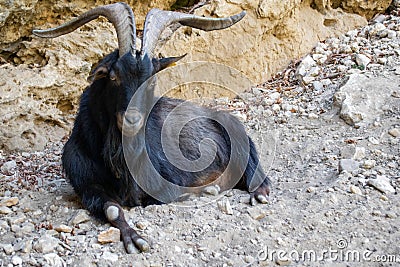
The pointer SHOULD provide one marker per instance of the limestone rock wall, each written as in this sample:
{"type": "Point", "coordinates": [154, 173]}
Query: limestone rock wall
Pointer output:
{"type": "Point", "coordinates": [41, 80]}
{"type": "Point", "coordinates": [19, 17]}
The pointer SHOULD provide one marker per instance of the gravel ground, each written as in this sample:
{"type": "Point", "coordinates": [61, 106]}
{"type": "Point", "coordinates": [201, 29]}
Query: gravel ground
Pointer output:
{"type": "Point", "coordinates": [335, 195]}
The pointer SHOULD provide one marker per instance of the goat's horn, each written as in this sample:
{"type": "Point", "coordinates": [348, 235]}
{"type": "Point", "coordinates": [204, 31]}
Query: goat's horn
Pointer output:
{"type": "Point", "coordinates": [157, 20]}
{"type": "Point", "coordinates": [119, 14]}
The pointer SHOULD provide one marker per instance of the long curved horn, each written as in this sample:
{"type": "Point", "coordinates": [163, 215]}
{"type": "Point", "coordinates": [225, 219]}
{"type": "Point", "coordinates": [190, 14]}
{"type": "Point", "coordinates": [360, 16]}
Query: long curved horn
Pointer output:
{"type": "Point", "coordinates": [119, 14]}
{"type": "Point", "coordinates": [157, 20]}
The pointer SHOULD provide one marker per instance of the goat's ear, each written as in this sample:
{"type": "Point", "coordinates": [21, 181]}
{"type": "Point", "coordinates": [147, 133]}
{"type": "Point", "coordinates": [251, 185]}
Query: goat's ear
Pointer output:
{"type": "Point", "coordinates": [160, 64]}
{"type": "Point", "coordinates": [98, 73]}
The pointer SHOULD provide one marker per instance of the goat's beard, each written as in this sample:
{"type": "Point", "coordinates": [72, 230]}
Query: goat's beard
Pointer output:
{"type": "Point", "coordinates": [114, 158]}
{"type": "Point", "coordinates": [113, 153]}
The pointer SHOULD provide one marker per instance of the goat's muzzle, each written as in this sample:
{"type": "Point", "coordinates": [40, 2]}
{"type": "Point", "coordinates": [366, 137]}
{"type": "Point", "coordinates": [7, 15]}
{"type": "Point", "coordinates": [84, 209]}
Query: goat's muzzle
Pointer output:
{"type": "Point", "coordinates": [130, 121]}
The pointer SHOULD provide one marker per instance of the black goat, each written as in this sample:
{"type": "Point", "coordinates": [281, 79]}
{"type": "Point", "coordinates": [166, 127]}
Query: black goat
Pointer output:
{"type": "Point", "coordinates": [93, 157]}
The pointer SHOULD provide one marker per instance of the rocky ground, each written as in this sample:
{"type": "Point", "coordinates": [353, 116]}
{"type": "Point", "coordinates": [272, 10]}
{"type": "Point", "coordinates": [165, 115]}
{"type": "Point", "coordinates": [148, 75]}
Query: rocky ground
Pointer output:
{"type": "Point", "coordinates": [328, 131]}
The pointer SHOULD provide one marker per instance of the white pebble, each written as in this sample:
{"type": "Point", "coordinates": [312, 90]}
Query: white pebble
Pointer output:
{"type": "Point", "coordinates": [395, 132]}
{"type": "Point", "coordinates": [355, 190]}
{"type": "Point", "coordinates": [362, 60]}
{"type": "Point", "coordinates": [109, 256]}
{"type": "Point", "coordinates": [16, 260]}
{"type": "Point", "coordinates": [313, 116]}
{"type": "Point", "coordinates": [225, 206]}
{"type": "Point", "coordinates": [276, 107]}
{"type": "Point", "coordinates": [369, 164]}
{"type": "Point", "coordinates": [8, 167]}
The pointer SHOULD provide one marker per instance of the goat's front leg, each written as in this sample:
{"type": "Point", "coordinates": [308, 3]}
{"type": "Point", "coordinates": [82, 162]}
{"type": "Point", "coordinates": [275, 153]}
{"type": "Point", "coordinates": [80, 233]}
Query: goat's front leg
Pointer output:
{"type": "Point", "coordinates": [115, 215]}
{"type": "Point", "coordinates": [254, 175]}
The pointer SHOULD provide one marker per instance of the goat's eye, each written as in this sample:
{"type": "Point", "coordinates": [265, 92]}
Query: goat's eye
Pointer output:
{"type": "Point", "coordinates": [113, 77]}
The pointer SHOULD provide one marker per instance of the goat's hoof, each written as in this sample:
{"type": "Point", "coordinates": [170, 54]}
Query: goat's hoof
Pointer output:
{"type": "Point", "coordinates": [142, 245]}
{"type": "Point", "coordinates": [261, 195]}
{"type": "Point", "coordinates": [133, 242]}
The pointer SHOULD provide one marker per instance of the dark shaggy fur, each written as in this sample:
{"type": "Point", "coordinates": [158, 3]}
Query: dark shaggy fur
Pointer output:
{"type": "Point", "coordinates": [93, 157]}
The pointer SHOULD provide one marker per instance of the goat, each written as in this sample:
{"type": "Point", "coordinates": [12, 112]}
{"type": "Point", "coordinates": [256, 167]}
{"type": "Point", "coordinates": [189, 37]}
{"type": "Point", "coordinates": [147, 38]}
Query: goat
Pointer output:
{"type": "Point", "coordinates": [93, 157]}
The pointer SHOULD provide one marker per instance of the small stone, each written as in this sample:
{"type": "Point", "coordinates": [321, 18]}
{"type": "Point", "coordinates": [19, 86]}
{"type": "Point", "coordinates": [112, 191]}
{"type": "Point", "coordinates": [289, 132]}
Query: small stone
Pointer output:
{"type": "Point", "coordinates": [239, 115]}
{"type": "Point", "coordinates": [9, 202]}
{"type": "Point", "coordinates": [391, 34]}
{"type": "Point", "coordinates": [20, 218]}
{"type": "Point", "coordinates": [287, 107]}
{"type": "Point", "coordinates": [4, 225]}
{"type": "Point", "coordinates": [379, 19]}
{"type": "Point", "coordinates": [311, 189]}
{"type": "Point", "coordinates": [314, 71]}
{"type": "Point", "coordinates": [16, 260]}
{"type": "Point", "coordinates": [326, 82]}
{"type": "Point", "coordinates": [348, 165]}
{"type": "Point", "coordinates": [382, 60]}
{"type": "Point", "coordinates": [355, 190]}
{"type": "Point", "coordinates": [257, 91]}
{"type": "Point", "coordinates": [25, 154]}
{"type": "Point", "coordinates": [268, 102]}
{"type": "Point", "coordinates": [376, 213]}
{"type": "Point", "coordinates": [282, 261]}
{"type": "Point", "coordinates": [225, 206]}
{"type": "Point", "coordinates": [83, 228]}
{"type": "Point", "coordinates": [5, 210]}
{"type": "Point", "coordinates": [54, 260]}
{"type": "Point", "coordinates": [248, 259]}
{"type": "Point", "coordinates": [109, 256]}
{"type": "Point", "coordinates": [308, 79]}
{"type": "Point", "coordinates": [108, 236]}
{"type": "Point", "coordinates": [362, 60]}
{"type": "Point", "coordinates": [342, 68]}
{"type": "Point", "coordinates": [256, 213]}
{"type": "Point", "coordinates": [276, 107]}
{"type": "Point", "coordinates": [80, 217]}
{"type": "Point", "coordinates": [19, 245]}
{"type": "Point", "coordinates": [359, 153]}
{"type": "Point", "coordinates": [384, 198]}
{"type": "Point", "coordinates": [26, 246]}
{"type": "Point", "coordinates": [313, 116]}
{"type": "Point", "coordinates": [318, 86]}
{"type": "Point", "coordinates": [22, 230]}
{"type": "Point", "coordinates": [355, 47]}
{"type": "Point", "coordinates": [274, 96]}
{"type": "Point", "coordinates": [369, 164]}
{"type": "Point", "coordinates": [373, 140]}
{"type": "Point", "coordinates": [229, 193]}
{"type": "Point", "coordinates": [62, 228]}
{"type": "Point", "coordinates": [333, 199]}
{"type": "Point", "coordinates": [377, 28]}
{"type": "Point", "coordinates": [9, 167]}
{"type": "Point", "coordinates": [79, 238]}
{"type": "Point", "coordinates": [178, 249]}
{"type": "Point", "coordinates": [395, 132]}
{"type": "Point", "coordinates": [8, 249]}
{"type": "Point", "coordinates": [142, 224]}
{"type": "Point", "coordinates": [346, 49]}
{"type": "Point", "coordinates": [211, 190]}
{"type": "Point", "coordinates": [381, 183]}
{"type": "Point", "coordinates": [46, 244]}
{"type": "Point", "coordinates": [306, 64]}
{"type": "Point", "coordinates": [391, 215]}
{"type": "Point", "coordinates": [320, 58]}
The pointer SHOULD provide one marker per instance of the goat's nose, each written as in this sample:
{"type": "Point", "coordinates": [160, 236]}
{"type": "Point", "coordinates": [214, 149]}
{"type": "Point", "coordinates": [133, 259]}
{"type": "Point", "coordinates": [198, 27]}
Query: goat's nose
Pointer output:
{"type": "Point", "coordinates": [132, 117]}
{"type": "Point", "coordinates": [130, 121]}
